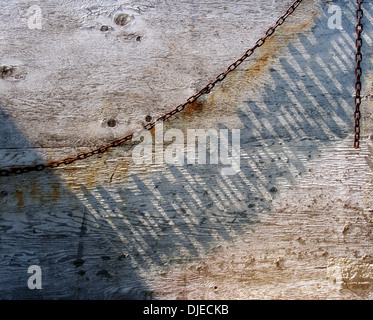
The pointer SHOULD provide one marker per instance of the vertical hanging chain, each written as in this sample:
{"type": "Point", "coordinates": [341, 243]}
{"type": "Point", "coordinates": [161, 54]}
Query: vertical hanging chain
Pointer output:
{"type": "Point", "coordinates": [358, 71]}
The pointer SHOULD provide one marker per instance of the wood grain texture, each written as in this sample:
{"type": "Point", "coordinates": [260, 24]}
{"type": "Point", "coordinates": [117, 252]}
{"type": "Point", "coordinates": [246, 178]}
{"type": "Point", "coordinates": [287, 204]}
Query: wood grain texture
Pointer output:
{"type": "Point", "coordinates": [294, 223]}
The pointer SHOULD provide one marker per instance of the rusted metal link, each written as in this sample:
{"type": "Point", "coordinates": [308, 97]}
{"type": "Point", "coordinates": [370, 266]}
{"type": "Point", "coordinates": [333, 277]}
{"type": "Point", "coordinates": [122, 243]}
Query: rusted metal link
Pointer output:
{"type": "Point", "coordinates": [5, 173]}
{"type": "Point", "coordinates": [358, 72]}
{"type": "Point", "coordinates": [205, 90]}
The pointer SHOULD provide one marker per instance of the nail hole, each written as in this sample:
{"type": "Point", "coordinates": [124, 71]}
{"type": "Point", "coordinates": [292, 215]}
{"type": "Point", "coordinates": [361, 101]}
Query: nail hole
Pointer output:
{"type": "Point", "coordinates": [6, 71]}
{"type": "Point", "coordinates": [111, 123]}
{"type": "Point", "coordinates": [104, 28]}
{"type": "Point", "coordinates": [215, 287]}
{"type": "Point", "coordinates": [138, 38]}
{"type": "Point", "coordinates": [148, 118]}
{"type": "Point", "coordinates": [122, 19]}
{"type": "Point", "coordinates": [273, 190]}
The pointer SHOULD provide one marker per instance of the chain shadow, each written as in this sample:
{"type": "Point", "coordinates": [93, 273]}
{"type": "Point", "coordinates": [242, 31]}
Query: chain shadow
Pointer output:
{"type": "Point", "coordinates": [187, 211]}
{"type": "Point", "coordinates": [102, 242]}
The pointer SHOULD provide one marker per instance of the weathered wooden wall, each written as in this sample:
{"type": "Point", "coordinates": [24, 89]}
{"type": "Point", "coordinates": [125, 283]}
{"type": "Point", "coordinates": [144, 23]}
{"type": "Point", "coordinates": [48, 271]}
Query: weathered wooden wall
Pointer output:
{"type": "Point", "coordinates": [294, 223]}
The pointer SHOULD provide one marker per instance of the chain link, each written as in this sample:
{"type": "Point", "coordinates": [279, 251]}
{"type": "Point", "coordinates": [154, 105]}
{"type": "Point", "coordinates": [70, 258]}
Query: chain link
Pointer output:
{"type": "Point", "coordinates": [358, 72]}
{"type": "Point", "coordinates": [205, 90]}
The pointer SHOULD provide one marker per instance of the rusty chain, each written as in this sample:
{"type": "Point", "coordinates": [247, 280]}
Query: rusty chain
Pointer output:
{"type": "Point", "coordinates": [358, 72]}
{"type": "Point", "coordinates": [205, 90]}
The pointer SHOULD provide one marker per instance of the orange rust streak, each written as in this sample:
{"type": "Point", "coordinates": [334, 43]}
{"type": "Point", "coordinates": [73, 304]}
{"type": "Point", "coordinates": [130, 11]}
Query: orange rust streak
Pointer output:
{"type": "Point", "coordinates": [20, 198]}
{"type": "Point", "coordinates": [193, 107]}
{"type": "Point", "coordinates": [237, 82]}
{"type": "Point", "coordinates": [35, 193]}
{"type": "Point", "coordinates": [226, 94]}
{"type": "Point", "coordinates": [55, 194]}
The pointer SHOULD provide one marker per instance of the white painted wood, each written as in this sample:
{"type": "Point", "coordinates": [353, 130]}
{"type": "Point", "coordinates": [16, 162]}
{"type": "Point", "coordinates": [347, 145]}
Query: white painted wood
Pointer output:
{"type": "Point", "coordinates": [294, 223]}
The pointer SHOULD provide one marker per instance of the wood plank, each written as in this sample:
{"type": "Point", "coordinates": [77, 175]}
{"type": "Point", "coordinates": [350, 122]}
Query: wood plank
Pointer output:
{"type": "Point", "coordinates": [294, 223]}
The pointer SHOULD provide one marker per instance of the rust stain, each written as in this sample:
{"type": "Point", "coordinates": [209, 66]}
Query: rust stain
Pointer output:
{"type": "Point", "coordinates": [152, 131]}
{"type": "Point", "coordinates": [55, 192]}
{"type": "Point", "coordinates": [224, 95]}
{"type": "Point", "coordinates": [229, 91]}
{"type": "Point", "coordinates": [75, 176]}
{"type": "Point", "coordinates": [237, 83]}
{"type": "Point", "coordinates": [19, 194]}
{"type": "Point", "coordinates": [95, 173]}
{"type": "Point", "coordinates": [196, 106]}
{"type": "Point", "coordinates": [36, 194]}
{"type": "Point", "coordinates": [250, 76]}
{"type": "Point", "coordinates": [90, 177]}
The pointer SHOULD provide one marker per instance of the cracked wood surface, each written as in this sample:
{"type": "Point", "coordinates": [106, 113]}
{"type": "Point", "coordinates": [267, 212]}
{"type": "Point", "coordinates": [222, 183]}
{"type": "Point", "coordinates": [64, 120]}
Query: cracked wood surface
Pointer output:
{"type": "Point", "coordinates": [294, 223]}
